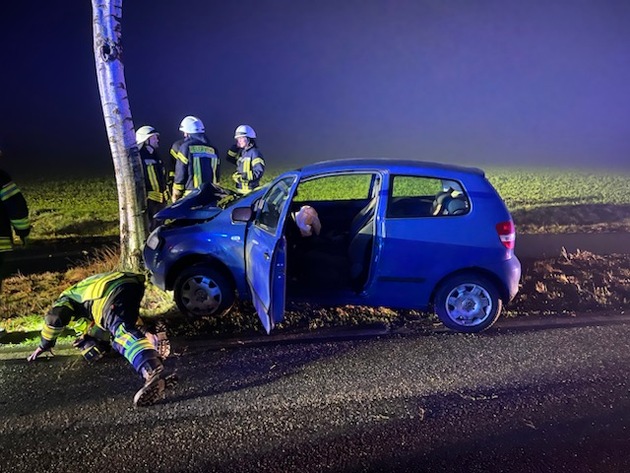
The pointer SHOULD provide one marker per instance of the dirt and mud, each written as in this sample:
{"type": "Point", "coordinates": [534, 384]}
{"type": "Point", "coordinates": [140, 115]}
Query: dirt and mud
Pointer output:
{"type": "Point", "coordinates": [569, 283]}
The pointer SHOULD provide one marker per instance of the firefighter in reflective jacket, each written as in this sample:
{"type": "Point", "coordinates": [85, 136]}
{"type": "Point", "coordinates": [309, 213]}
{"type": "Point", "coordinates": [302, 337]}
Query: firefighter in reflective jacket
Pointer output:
{"type": "Point", "coordinates": [197, 161]}
{"type": "Point", "coordinates": [147, 139]}
{"type": "Point", "coordinates": [13, 217]}
{"type": "Point", "coordinates": [250, 165]}
{"type": "Point", "coordinates": [112, 302]}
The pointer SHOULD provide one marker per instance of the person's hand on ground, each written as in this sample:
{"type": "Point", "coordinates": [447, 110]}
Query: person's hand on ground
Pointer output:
{"type": "Point", "coordinates": [38, 351]}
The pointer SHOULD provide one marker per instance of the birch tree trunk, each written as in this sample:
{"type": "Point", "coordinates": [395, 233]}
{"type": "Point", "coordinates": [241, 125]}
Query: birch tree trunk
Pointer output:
{"type": "Point", "coordinates": [106, 19]}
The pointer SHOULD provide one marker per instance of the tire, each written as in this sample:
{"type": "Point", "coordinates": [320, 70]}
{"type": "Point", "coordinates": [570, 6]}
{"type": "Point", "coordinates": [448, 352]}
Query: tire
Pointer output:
{"type": "Point", "coordinates": [202, 291]}
{"type": "Point", "coordinates": [468, 303]}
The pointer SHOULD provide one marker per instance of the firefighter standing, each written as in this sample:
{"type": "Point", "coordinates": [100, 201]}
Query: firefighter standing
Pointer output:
{"type": "Point", "coordinates": [112, 302]}
{"type": "Point", "coordinates": [147, 139]}
{"type": "Point", "coordinates": [13, 217]}
{"type": "Point", "coordinates": [250, 165]}
{"type": "Point", "coordinates": [196, 160]}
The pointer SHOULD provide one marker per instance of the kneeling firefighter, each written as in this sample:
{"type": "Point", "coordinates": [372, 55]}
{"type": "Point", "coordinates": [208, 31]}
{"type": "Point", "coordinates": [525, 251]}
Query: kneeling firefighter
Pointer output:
{"type": "Point", "coordinates": [111, 301]}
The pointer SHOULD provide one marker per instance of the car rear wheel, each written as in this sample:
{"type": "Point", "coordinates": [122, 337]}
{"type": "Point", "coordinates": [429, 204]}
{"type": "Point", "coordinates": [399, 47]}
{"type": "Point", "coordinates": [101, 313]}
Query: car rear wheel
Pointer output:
{"type": "Point", "coordinates": [468, 303]}
{"type": "Point", "coordinates": [203, 291]}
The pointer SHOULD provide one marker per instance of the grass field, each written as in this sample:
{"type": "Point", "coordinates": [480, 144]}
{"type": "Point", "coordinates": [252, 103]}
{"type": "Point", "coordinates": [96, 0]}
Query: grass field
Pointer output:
{"type": "Point", "coordinates": [541, 201]}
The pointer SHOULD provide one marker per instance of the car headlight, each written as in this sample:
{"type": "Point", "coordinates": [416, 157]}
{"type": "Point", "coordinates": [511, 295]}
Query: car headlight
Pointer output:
{"type": "Point", "coordinates": [154, 240]}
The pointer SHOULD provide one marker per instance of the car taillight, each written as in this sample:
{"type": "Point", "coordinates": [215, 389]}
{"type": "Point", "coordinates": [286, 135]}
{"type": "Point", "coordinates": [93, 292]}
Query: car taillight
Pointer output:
{"type": "Point", "coordinates": [507, 234]}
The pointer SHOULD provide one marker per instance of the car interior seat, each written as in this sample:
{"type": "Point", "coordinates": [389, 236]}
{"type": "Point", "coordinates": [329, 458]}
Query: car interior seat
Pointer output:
{"type": "Point", "coordinates": [449, 202]}
{"type": "Point", "coordinates": [362, 217]}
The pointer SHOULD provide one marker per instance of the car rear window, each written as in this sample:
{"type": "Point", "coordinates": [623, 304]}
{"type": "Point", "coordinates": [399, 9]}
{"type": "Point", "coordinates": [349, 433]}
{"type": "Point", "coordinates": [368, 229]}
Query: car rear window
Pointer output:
{"type": "Point", "coordinates": [418, 196]}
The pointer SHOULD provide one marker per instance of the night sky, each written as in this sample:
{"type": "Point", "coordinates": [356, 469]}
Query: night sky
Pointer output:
{"type": "Point", "coordinates": [506, 82]}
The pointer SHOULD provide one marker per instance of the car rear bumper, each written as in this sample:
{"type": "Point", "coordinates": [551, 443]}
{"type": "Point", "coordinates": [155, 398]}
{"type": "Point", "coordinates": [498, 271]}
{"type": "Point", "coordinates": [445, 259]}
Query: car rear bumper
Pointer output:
{"type": "Point", "coordinates": [512, 276]}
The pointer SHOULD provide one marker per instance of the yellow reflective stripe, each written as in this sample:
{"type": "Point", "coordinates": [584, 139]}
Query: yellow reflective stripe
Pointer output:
{"type": "Point", "coordinates": [232, 154]}
{"type": "Point", "coordinates": [178, 187]}
{"type": "Point", "coordinates": [51, 333]}
{"type": "Point", "coordinates": [136, 347]}
{"type": "Point", "coordinates": [197, 177]}
{"type": "Point", "coordinates": [97, 289]}
{"type": "Point", "coordinates": [101, 292]}
{"type": "Point", "coordinates": [181, 157]}
{"type": "Point", "coordinates": [5, 244]}
{"type": "Point", "coordinates": [202, 149]}
{"type": "Point", "coordinates": [20, 223]}
{"type": "Point", "coordinates": [153, 178]}
{"type": "Point", "coordinates": [247, 164]}
{"type": "Point", "coordinates": [256, 161]}
{"type": "Point", "coordinates": [155, 196]}
{"type": "Point", "coordinates": [173, 153]}
{"type": "Point", "coordinates": [81, 325]}
{"type": "Point", "coordinates": [8, 191]}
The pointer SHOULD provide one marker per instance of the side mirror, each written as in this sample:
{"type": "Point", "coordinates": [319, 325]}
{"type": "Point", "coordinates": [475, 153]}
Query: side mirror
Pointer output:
{"type": "Point", "coordinates": [242, 214]}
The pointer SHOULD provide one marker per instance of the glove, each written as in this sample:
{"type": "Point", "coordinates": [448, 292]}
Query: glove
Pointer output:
{"type": "Point", "coordinates": [38, 351]}
{"type": "Point", "coordinates": [176, 194]}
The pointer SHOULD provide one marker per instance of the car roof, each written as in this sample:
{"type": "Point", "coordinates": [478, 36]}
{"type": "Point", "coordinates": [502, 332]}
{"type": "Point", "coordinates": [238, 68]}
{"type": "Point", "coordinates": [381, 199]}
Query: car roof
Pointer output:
{"type": "Point", "coordinates": [398, 166]}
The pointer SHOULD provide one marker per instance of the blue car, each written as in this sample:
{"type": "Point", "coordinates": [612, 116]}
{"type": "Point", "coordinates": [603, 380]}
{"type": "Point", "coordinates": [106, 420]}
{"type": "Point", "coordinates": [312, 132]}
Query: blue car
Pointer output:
{"type": "Point", "coordinates": [392, 233]}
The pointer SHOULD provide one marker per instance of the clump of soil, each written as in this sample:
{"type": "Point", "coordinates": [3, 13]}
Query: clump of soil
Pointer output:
{"type": "Point", "coordinates": [573, 283]}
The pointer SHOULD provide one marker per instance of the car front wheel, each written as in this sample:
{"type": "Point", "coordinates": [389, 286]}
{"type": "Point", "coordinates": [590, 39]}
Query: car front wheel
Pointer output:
{"type": "Point", "coordinates": [203, 291]}
{"type": "Point", "coordinates": [468, 303]}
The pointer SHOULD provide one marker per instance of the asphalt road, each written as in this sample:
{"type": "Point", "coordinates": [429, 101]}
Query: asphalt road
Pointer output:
{"type": "Point", "coordinates": [527, 396]}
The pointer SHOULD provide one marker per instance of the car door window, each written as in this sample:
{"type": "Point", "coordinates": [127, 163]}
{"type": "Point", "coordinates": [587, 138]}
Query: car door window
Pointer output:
{"type": "Point", "coordinates": [270, 207]}
{"type": "Point", "coordinates": [352, 186]}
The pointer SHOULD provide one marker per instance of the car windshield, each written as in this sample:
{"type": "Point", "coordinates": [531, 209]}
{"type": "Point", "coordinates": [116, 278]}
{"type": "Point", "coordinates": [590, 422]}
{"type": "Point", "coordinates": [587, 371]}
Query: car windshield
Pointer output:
{"type": "Point", "coordinates": [213, 195]}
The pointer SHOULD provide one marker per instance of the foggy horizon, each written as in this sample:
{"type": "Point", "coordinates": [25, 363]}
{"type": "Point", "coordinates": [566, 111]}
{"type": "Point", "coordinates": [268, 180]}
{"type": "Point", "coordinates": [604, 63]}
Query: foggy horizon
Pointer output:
{"type": "Point", "coordinates": [494, 83]}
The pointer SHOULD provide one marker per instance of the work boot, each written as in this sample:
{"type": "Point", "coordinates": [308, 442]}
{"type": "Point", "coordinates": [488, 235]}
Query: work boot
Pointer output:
{"type": "Point", "coordinates": [153, 389]}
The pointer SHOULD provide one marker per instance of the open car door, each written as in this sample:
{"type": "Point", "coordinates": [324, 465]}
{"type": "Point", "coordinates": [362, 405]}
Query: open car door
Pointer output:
{"type": "Point", "coordinates": [265, 251]}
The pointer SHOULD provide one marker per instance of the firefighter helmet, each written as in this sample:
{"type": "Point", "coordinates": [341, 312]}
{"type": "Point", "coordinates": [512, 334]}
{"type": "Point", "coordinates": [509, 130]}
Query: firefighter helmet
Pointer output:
{"type": "Point", "coordinates": [244, 130]}
{"type": "Point", "coordinates": [191, 124]}
{"type": "Point", "coordinates": [144, 133]}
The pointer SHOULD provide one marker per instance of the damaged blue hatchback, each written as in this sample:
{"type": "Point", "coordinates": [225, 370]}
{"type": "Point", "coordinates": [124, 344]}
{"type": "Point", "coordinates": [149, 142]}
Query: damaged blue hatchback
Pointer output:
{"type": "Point", "coordinates": [390, 233]}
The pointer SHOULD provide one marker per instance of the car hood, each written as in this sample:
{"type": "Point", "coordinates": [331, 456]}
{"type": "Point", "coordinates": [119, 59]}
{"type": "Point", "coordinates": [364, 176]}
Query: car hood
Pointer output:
{"type": "Point", "coordinates": [201, 204]}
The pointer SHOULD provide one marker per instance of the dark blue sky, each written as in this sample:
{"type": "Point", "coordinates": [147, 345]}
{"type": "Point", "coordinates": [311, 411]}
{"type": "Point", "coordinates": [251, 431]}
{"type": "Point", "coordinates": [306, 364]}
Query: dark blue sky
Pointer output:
{"type": "Point", "coordinates": [475, 82]}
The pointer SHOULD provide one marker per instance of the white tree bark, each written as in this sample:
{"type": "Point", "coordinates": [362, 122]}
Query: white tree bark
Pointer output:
{"type": "Point", "coordinates": [106, 21]}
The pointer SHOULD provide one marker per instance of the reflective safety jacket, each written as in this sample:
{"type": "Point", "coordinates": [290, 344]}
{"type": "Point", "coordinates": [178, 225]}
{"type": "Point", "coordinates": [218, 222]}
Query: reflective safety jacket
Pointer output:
{"type": "Point", "coordinates": [170, 173]}
{"type": "Point", "coordinates": [250, 167]}
{"type": "Point", "coordinates": [197, 162]}
{"type": "Point", "coordinates": [13, 213]}
{"type": "Point", "coordinates": [89, 299]}
{"type": "Point", "coordinates": [154, 176]}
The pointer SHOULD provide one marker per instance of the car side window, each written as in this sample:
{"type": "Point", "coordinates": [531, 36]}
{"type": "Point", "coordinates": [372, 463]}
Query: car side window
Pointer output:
{"type": "Point", "coordinates": [352, 186]}
{"type": "Point", "coordinates": [270, 206]}
{"type": "Point", "coordinates": [420, 196]}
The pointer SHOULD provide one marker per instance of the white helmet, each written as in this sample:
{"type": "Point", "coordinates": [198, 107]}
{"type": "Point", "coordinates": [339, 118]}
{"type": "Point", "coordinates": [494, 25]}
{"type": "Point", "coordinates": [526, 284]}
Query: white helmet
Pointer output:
{"type": "Point", "coordinates": [191, 124]}
{"type": "Point", "coordinates": [244, 130]}
{"type": "Point", "coordinates": [144, 133]}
